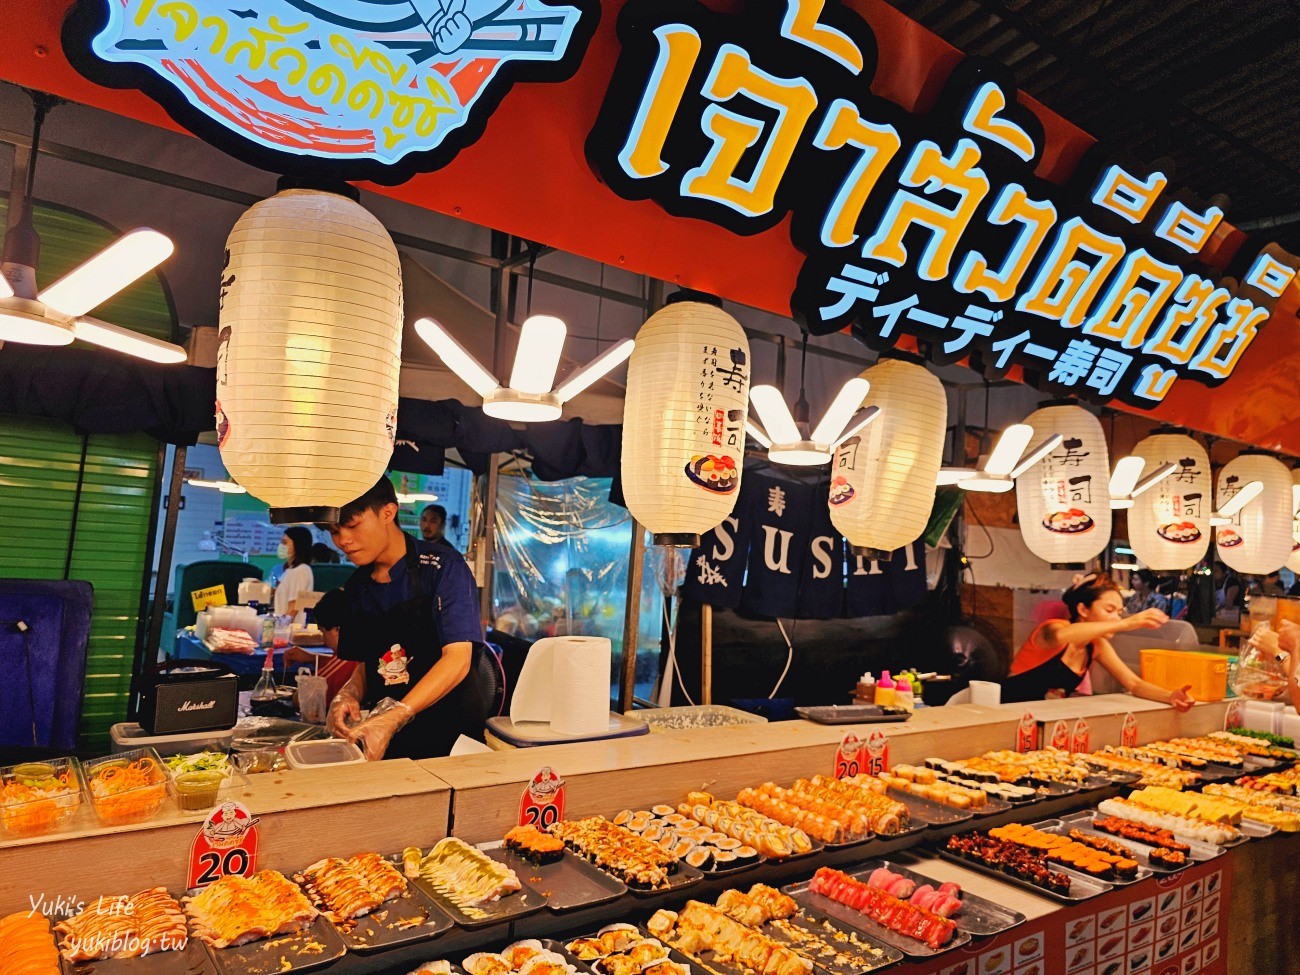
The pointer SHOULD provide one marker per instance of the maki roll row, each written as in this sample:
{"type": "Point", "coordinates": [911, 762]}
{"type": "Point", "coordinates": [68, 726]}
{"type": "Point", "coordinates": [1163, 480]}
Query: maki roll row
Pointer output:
{"type": "Point", "coordinates": [1013, 859]}
{"type": "Point", "coordinates": [1101, 864]}
{"type": "Point", "coordinates": [621, 852]}
{"type": "Point", "coordinates": [534, 845]}
{"type": "Point", "coordinates": [977, 784]}
{"type": "Point", "coordinates": [695, 843]}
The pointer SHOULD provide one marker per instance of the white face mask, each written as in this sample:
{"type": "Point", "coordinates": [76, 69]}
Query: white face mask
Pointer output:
{"type": "Point", "coordinates": [282, 553]}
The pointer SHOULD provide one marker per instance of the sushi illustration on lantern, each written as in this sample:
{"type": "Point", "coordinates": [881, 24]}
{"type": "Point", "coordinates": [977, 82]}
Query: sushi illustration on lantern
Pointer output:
{"type": "Point", "coordinates": [713, 473]}
{"type": "Point", "coordinates": [841, 490]}
{"type": "Point", "coordinates": [1072, 521]}
{"type": "Point", "coordinates": [1179, 532]}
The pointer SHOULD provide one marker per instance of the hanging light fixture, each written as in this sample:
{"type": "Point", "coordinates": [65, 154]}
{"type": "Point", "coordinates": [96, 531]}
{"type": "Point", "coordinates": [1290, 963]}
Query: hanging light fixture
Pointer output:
{"type": "Point", "coordinates": [1169, 525]}
{"type": "Point", "coordinates": [997, 473]}
{"type": "Point", "coordinates": [1063, 500]}
{"type": "Point", "coordinates": [684, 419]}
{"type": "Point", "coordinates": [225, 487]}
{"type": "Point", "coordinates": [1127, 483]}
{"type": "Point", "coordinates": [1252, 531]}
{"type": "Point", "coordinates": [58, 313]}
{"type": "Point", "coordinates": [787, 436]}
{"type": "Point", "coordinates": [529, 397]}
{"type": "Point", "coordinates": [883, 482]}
{"type": "Point", "coordinates": [309, 351]}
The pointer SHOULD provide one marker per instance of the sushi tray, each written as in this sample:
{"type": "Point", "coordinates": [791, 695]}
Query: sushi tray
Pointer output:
{"type": "Point", "coordinates": [977, 916]}
{"type": "Point", "coordinates": [569, 883]}
{"type": "Point", "coordinates": [679, 879]}
{"type": "Point", "coordinates": [1057, 828]}
{"type": "Point", "coordinates": [315, 947]}
{"type": "Point", "coordinates": [193, 959]}
{"type": "Point", "coordinates": [1141, 851]}
{"type": "Point", "coordinates": [1198, 852]}
{"type": "Point", "coordinates": [930, 812]}
{"type": "Point", "coordinates": [848, 844]}
{"type": "Point", "coordinates": [508, 907]}
{"type": "Point", "coordinates": [1082, 887]}
{"type": "Point", "coordinates": [993, 806]}
{"type": "Point", "coordinates": [406, 920]}
{"type": "Point", "coordinates": [843, 915]}
{"type": "Point", "coordinates": [853, 714]}
{"type": "Point", "coordinates": [1255, 831]}
{"type": "Point", "coordinates": [514, 959]}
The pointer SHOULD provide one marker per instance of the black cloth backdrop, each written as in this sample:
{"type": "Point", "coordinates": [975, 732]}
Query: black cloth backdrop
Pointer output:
{"type": "Point", "coordinates": [779, 555]}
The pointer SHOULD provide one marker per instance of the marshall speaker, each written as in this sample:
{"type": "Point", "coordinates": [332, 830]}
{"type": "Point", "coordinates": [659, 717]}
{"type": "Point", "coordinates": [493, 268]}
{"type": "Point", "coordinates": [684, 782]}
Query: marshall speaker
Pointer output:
{"type": "Point", "coordinates": [183, 696]}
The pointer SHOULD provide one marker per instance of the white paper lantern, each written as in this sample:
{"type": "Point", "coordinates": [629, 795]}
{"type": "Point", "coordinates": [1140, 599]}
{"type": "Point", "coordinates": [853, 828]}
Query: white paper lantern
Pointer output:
{"type": "Point", "coordinates": [1063, 501]}
{"type": "Point", "coordinates": [310, 348]}
{"type": "Point", "coordinates": [1259, 539]}
{"type": "Point", "coordinates": [1293, 563]}
{"type": "Point", "coordinates": [883, 482]}
{"type": "Point", "coordinates": [684, 420]}
{"type": "Point", "coordinates": [1169, 523]}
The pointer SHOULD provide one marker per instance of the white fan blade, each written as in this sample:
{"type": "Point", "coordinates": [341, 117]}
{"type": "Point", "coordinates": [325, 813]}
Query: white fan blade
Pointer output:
{"type": "Point", "coordinates": [954, 475]}
{"type": "Point", "coordinates": [120, 339]}
{"type": "Point", "coordinates": [755, 431]}
{"type": "Point", "coordinates": [6, 289]}
{"type": "Point", "coordinates": [458, 360]}
{"type": "Point", "coordinates": [541, 339]}
{"type": "Point", "coordinates": [1035, 455]}
{"type": "Point", "coordinates": [859, 422]}
{"type": "Point", "coordinates": [841, 411]}
{"type": "Point", "coordinates": [107, 273]}
{"type": "Point", "coordinates": [605, 363]}
{"type": "Point", "coordinates": [774, 414]}
{"type": "Point", "coordinates": [1008, 450]}
{"type": "Point", "coordinates": [1152, 479]}
{"type": "Point", "coordinates": [1125, 476]}
{"type": "Point", "coordinates": [988, 484]}
{"type": "Point", "coordinates": [1248, 493]}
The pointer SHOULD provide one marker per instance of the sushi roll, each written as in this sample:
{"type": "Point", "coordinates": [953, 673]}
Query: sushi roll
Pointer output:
{"type": "Point", "coordinates": [674, 819]}
{"type": "Point", "coordinates": [716, 837]}
{"type": "Point", "coordinates": [638, 822]}
{"type": "Point", "coordinates": [724, 859]}
{"type": "Point", "coordinates": [701, 857]}
{"type": "Point", "coordinates": [667, 839]}
{"type": "Point", "coordinates": [623, 817]}
{"type": "Point", "coordinates": [746, 855]}
{"type": "Point", "coordinates": [727, 844]}
{"type": "Point", "coordinates": [662, 811]}
{"type": "Point", "coordinates": [652, 833]}
{"type": "Point", "coordinates": [938, 764]}
{"type": "Point", "coordinates": [681, 848]}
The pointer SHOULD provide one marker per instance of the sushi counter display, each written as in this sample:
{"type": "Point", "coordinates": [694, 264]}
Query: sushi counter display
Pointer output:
{"type": "Point", "coordinates": [986, 863]}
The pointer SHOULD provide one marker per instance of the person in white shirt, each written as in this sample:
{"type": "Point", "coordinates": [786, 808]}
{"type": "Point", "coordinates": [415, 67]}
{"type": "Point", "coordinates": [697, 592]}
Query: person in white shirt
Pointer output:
{"type": "Point", "coordinates": [295, 549]}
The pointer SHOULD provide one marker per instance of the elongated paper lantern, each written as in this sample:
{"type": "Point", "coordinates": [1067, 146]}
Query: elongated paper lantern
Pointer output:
{"type": "Point", "coordinates": [1063, 501]}
{"type": "Point", "coordinates": [1293, 563]}
{"type": "Point", "coordinates": [310, 346]}
{"type": "Point", "coordinates": [684, 419]}
{"type": "Point", "coordinates": [883, 481]}
{"type": "Point", "coordinates": [1169, 524]}
{"type": "Point", "coordinates": [1259, 539]}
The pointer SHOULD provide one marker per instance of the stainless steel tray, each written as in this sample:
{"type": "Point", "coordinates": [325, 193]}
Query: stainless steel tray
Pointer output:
{"type": "Point", "coordinates": [928, 811]}
{"type": "Point", "coordinates": [521, 903]}
{"type": "Point", "coordinates": [406, 920]}
{"type": "Point", "coordinates": [1057, 828]}
{"type": "Point", "coordinates": [1199, 852]}
{"type": "Point", "coordinates": [978, 916]}
{"type": "Point", "coordinates": [1082, 888]}
{"type": "Point", "coordinates": [845, 915]}
{"type": "Point", "coordinates": [569, 884]}
{"type": "Point", "coordinates": [268, 956]}
{"type": "Point", "coordinates": [193, 959]}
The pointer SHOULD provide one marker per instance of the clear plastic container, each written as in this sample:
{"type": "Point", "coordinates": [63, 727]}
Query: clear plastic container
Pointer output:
{"type": "Point", "coordinates": [323, 752]}
{"type": "Point", "coordinates": [199, 791]}
{"type": "Point", "coordinates": [121, 803]}
{"type": "Point", "coordinates": [697, 716]}
{"type": "Point", "coordinates": [39, 797]}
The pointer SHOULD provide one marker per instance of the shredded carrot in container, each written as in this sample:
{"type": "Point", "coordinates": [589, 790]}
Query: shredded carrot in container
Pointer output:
{"type": "Point", "coordinates": [128, 793]}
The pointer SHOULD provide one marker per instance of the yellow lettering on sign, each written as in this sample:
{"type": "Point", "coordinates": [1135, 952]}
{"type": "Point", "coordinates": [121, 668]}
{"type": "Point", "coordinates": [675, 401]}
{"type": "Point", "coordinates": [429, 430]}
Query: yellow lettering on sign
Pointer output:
{"type": "Point", "coordinates": [844, 126]}
{"type": "Point", "coordinates": [1128, 310]}
{"type": "Point", "coordinates": [1229, 339]}
{"type": "Point", "coordinates": [1185, 228]}
{"type": "Point", "coordinates": [1125, 195]}
{"type": "Point", "coordinates": [1155, 382]}
{"type": "Point", "coordinates": [212, 596]}
{"type": "Point", "coordinates": [1067, 286]}
{"type": "Point", "coordinates": [801, 26]}
{"type": "Point", "coordinates": [733, 134]}
{"type": "Point", "coordinates": [958, 174]}
{"type": "Point", "coordinates": [982, 119]}
{"type": "Point", "coordinates": [642, 154]}
{"type": "Point", "coordinates": [1036, 218]}
{"type": "Point", "coordinates": [1188, 320]}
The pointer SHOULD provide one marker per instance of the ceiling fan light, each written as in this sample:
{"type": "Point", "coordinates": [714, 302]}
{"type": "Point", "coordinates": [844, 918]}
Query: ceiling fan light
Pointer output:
{"type": "Point", "coordinates": [28, 329]}
{"type": "Point", "coordinates": [954, 475]}
{"type": "Point", "coordinates": [124, 340]}
{"type": "Point", "coordinates": [1154, 478]}
{"type": "Point", "coordinates": [1248, 493]}
{"type": "Point", "coordinates": [1008, 450]}
{"type": "Point", "coordinates": [515, 406]}
{"type": "Point", "coordinates": [596, 369]}
{"type": "Point", "coordinates": [456, 357]}
{"type": "Point", "coordinates": [755, 431]}
{"type": "Point", "coordinates": [1125, 476]}
{"type": "Point", "coordinates": [846, 403]}
{"type": "Point", "coordinates": [108, 272]}
{"type": "Point", "coordinates": [774, 414]}
{"type": "Point", "coordinates": [541, 339]}
{"type": "Point", "coordinates": [987, 484]}
{"type": "Point", "coordinates": [1035, 455]}
{"type": "Point", "coordinates": [799, 453]}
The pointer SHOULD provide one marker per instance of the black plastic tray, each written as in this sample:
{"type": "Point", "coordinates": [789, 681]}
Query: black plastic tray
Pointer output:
{"type": "Point", "coordinates": [1200, 852]}
{"type": "Point", "coordinates": [264, 957]}
{"type": "Point", "coordinates": [381, 929]}
{"type": "Point", "coordinates": [193, 959]}
{"type": "Point", "coordinates": [1082, 888]}
{"type": "Point", "coordinates": [685, 876]}
{"type": "Point", "coordinates": [1057, 828]}
{"type": "Point", "coordinates": [521, 903]}
{"type": "Point", "coordinates": [844, 915]}
{"type": "Point", "coordinates": [833, 935]}
{"type": "Point", "coordinates": [928, 811]}
{"type": "Point", "coordinates": [978, 916]}
{"type": "Point", "coordinates": [851, 714]}
{"type": "Point", "coordinates": [569, 884]}
{"type": "Point", "coordinates": [994, 806]}
{"type": "Point", "coordinates": [707, 964]}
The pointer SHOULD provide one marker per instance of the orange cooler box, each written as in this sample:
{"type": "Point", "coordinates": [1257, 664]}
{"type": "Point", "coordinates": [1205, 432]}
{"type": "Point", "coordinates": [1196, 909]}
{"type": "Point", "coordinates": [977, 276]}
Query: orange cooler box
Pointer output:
{"type": "Point", "coordinates": [1171, 669]}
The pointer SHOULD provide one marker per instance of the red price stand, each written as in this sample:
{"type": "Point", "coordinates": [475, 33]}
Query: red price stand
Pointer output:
{"type": "Point", "coordinates": [226, 846]}
{"type": "Point", "coordinates": [848, 756]}
{"type": "Point", "coordinates": [542, 803]}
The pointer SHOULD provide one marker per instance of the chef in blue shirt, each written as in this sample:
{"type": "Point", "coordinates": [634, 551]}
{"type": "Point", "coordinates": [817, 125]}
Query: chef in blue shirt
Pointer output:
{"type": "Point", "coordinates": [413, 622]}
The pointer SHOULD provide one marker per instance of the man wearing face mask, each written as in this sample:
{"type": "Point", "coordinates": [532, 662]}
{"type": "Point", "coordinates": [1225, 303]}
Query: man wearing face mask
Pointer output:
{"type": "Point", "coordinates": [413, 624]}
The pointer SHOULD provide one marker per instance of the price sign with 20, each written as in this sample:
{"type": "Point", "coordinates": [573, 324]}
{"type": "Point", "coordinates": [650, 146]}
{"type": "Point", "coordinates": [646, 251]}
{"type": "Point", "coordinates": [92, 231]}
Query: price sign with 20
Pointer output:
{"type": "Point", "coordinates": [542, 804]}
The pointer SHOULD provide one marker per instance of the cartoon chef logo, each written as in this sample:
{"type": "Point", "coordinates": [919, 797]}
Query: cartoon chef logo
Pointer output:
{"type": "Point", "coordinates": [392, 666]}
{"type": "Point", "coordinates": [227, 824]}
{"type": "Point", "coordinates": [357, 85]}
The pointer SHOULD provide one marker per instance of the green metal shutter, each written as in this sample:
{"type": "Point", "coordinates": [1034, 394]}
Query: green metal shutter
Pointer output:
{"type": "Point", "coordinates": [39, 465]}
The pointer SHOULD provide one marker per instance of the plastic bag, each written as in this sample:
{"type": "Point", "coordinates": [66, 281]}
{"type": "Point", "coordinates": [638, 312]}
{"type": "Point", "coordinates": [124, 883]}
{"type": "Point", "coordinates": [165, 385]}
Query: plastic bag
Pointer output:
{"type": "Point", "coordinates": [1260, 674]}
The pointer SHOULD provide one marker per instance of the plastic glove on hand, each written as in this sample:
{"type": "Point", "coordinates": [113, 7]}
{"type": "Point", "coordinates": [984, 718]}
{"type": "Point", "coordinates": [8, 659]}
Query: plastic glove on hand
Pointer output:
{"type": "Point", "coordinates": [375, 734]}
{"type": "Point", "coordinates": [344, 712]}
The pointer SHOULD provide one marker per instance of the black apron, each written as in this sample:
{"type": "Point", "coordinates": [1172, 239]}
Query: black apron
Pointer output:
{"type": "Point", "coordinates": [397, 648]}
{"type": "Point", "coordinates": [1036, 683]}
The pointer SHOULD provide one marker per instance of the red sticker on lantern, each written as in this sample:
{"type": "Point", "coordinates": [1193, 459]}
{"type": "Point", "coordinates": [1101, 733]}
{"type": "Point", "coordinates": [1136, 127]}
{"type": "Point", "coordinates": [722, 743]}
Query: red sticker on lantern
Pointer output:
{"type": "Point", "coordinates": [1060, 736]}
{"type": "Point", "coordinates": [848, 756]}
{"type": "Point", "coordinates": [542, 803]}
{"type": "Point", "coordinates": [1128, 735]}
{"type": "Point", "coordinates": [1081, 737]}
{"type": "Point", "coordinates": [1027, 733]}
{"type": "Point", "coordinates": [226, 846]}
{"type": "Point", "coordinates": [1232, 717]}
{"type": "Point", "coordinates": [875, 756]}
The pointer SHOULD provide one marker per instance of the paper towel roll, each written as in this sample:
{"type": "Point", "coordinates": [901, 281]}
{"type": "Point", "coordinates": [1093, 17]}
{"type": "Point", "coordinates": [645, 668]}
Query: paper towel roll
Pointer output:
{"type": "Point", "coordinates": [580, 685]}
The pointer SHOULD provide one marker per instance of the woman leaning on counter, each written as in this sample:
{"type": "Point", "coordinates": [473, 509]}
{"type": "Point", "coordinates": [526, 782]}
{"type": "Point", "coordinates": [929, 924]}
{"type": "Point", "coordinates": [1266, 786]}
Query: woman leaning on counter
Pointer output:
{"type": "Point", "coordinates": [1056, 657]}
